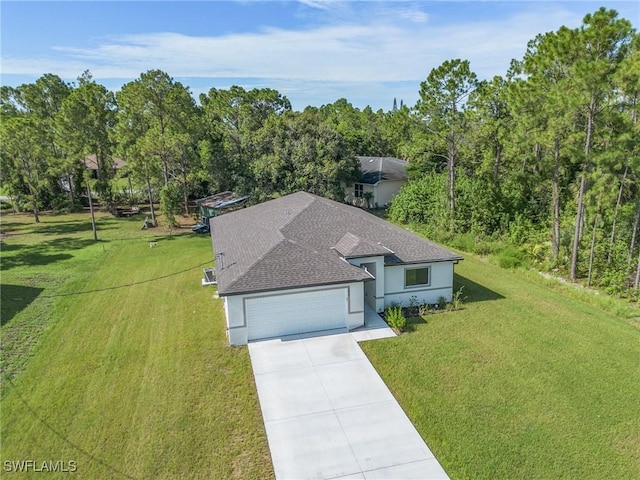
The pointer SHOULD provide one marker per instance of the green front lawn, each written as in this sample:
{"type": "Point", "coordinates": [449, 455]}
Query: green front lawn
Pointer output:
{"type": "Point", "coordinates": [525, 382]}
{"type": "Point", "coordinates": [119, 356]}
{"type": "Point", "coordinates": [120, 363]}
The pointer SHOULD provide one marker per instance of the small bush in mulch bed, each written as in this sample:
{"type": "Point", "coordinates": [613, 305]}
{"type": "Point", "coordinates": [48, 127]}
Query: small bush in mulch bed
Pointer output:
{"type": "Point", "coordinates": [395, 318]}
{"type": "Point", "coordinates": [396, 315]}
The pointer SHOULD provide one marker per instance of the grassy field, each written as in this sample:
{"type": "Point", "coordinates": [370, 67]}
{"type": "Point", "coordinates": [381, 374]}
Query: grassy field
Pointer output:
{"type": "Point", "coordinates": [115, 358]}
{"type": "Point", "coordinates": [118, 356]}
{"type": "Point", "coordinates": [525, 382]}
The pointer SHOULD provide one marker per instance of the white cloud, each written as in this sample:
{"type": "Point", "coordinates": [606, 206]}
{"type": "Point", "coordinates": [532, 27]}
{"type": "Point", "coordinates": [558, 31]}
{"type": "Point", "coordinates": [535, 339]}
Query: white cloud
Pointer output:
{"type": "Point", "coordinates": [39, 65]}
{"type": "Point", "coordinates": [376, 52]}
{"type": "Point", "coordinates": [412, 13]}
{"type": "Point", "coordinates": [321, 4]}
{"type": "Point", "coordinates": [398, 45]}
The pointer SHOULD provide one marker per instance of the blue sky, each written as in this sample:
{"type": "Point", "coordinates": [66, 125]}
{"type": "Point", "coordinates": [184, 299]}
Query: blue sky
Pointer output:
{"type": "Point", "coordinates": [312, 51]}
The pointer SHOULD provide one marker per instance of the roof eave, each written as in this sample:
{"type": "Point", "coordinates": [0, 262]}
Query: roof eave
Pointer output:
{"type": "Point", "coordinates": [368, 255]}
{"type": "Point", "coordinates": [436, 260]}
{"type": "Point", "coordinates": [222, 293]}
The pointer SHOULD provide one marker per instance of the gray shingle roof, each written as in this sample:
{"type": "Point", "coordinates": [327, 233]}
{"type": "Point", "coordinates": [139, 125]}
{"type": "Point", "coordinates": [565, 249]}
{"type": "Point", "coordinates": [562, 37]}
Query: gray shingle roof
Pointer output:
{"type": "Point", "coordinates": [299, 240]}
{"type": "Point", "coordinates": [376, 169]}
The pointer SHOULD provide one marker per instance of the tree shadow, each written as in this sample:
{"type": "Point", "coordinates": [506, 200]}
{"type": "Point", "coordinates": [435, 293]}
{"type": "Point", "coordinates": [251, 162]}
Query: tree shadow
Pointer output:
{"type": "Point", "coordinates": [13, 225]}
{"type": "Point", "coordinates": [43, 253]}
{"type": "Point", "coordinates": [57, 227]}
{"type": "Point", "coordinates": [10, 247]}
{"type": "Point", "coordinates": [14, 228]}
{"type": "Point", "coordinates": [474, 292]}
{"type": "Point", "coordinates": [71, 226]}
{"type": "Point", "coordinates": [31, 259]}
{"type": "Point", "coordinates": [413, 321]}
{"type": "Point", "coordinates": [14, 298]}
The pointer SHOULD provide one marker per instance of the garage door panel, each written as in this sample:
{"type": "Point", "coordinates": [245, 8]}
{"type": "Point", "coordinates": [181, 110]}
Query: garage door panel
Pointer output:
{"type": "Point", "coordinates": [289, 314]}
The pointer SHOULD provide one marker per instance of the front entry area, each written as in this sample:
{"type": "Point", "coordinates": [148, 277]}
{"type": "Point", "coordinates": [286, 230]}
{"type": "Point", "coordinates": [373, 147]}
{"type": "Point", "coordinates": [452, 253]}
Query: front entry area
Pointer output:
{"type": "Point", "coordinates": [370, 285]}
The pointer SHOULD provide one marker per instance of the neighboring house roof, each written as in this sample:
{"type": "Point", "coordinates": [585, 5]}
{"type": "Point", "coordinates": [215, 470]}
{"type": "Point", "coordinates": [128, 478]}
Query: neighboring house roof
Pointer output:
{"type": "Point", "coordinates": [379, 169]}
{"type": "Point", "coordinates": [91, 163]}
{"type": "Point", "coordinates": [222, 200]}
{"type": "Point", "coordinates": [300, 240]}
{"type": "Point", "coordinates": [214, 205]}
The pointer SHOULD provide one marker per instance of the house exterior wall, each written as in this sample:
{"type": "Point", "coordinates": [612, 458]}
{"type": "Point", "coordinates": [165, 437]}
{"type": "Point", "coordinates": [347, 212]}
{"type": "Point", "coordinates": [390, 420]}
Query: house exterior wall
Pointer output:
{"type": "Point", "coordinates": [385, 191]}
{"type": "Point", "coordinates": [236, 324]}
{"type": "Point", "coordinates": [355, 315]}
{"type": "Point", "coordinates": [235, 309]}
{"type": "Point", "coordinates": [440, 284]}
{"type": "Point", "coordinates": [350, 198]}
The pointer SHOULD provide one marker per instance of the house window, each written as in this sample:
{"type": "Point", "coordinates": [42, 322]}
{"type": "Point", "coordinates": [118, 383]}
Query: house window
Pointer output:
{"type": "Point", "coordinates": [415, 277]}
{"type": "Point", "coordinates": [358, 190]}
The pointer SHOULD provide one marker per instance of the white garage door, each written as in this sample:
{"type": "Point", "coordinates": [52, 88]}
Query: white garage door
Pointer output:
{"type": "Point", "coordinates": [279, 315]}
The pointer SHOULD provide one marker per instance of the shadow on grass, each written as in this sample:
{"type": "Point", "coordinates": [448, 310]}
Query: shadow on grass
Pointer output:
{"type": "Point", "coordinates": [14, 298]}
{"type": "Point", "coordinates": [474, 292]}
{"type": "Point", "coordinates": [14, 228]}
{"type": "Point", "coordinates": [14, 225]}
{"type": "Point", "coordinates": [182, 234]}
{"type": "Point", "coordinates": [34, 258]}
{"type": "Point", "coordinates": [72, 226]}
{"type": "Point", "coordinates": [413, 322]}
{"type": "Point", "coordinates": [43, 253]}
{"type": "Point", "coordinates": [56, 227]}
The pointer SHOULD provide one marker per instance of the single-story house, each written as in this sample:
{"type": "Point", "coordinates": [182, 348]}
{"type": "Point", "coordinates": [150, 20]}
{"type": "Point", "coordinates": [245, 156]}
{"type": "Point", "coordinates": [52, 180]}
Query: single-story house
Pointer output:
{"type": "Point", "coordinates": [91, 163]}
{"type": "Point", "coordinates": [303, 263]}
{"type": "Point", "coordinates": [382, 177]}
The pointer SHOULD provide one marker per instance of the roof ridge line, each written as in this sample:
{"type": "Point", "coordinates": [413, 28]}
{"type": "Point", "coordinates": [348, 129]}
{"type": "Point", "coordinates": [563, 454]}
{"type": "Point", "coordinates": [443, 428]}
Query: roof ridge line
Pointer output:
{"type": "Point", "coordinates": [326, 254]}
{"type": "Point", "coordinates": [293, 217]}
{"type": "Point", "coordinates": [247, 270]}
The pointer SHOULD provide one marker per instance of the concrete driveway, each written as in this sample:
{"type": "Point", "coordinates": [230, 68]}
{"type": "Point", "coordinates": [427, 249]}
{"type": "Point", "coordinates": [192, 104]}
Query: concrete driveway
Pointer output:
{"type": "Point", "coordinates": [328, 414]}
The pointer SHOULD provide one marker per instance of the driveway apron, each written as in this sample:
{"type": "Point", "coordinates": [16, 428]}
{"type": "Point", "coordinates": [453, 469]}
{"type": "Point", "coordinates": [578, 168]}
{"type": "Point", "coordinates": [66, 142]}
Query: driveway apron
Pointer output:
{"type": "Point", "coordinates": [329, 415]}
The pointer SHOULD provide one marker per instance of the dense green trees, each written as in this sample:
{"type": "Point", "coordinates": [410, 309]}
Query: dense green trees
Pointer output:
{"type": "Point", "coordinates": [298, 151]}
{"type": "Point", "coordinates": [231, 122]}
{"type": "Point", "coordinates": [24, 163]}
{"type": "Point", "coordinates": [84, 123]}
{"type": "Point", "coordinates": [443, 100]}
{"type": "Point", "coordinates": [31, 160]}
{"type": "Point", "coordinates": [545, 158]}
{"type": "Point", "coordinates": [550, 153]}
{"type": "Point", "coordinates": [157, 133]}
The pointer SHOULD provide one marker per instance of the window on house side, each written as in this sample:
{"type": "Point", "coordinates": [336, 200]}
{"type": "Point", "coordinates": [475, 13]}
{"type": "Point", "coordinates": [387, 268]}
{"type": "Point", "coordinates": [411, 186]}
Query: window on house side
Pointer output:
{"type": "Point", "coordinates": [358, 190]}
{"type": "Point", "coordinates": [416, 276]}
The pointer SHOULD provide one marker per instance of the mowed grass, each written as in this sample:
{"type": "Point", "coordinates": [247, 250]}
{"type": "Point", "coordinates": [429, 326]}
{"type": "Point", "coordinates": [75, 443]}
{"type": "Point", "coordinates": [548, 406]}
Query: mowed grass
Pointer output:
{"type": "Point", "coordinates": [525, 382]}
{"type": "Point", "coordinates": [129, 374]}
{"type": "Point", "coordinates": [119, 362]}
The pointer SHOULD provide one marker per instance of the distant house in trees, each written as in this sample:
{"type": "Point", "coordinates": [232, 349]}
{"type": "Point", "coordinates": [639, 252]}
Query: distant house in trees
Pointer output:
{"type": "Point", "coordinates": [380, 181]}
{"type": "Point", "coordinates": [91, 163]}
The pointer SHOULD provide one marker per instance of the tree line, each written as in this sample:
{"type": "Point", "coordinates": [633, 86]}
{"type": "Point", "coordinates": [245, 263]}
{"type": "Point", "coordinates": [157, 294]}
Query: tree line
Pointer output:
{"type": "Point", "coordinates": [545, 158]}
